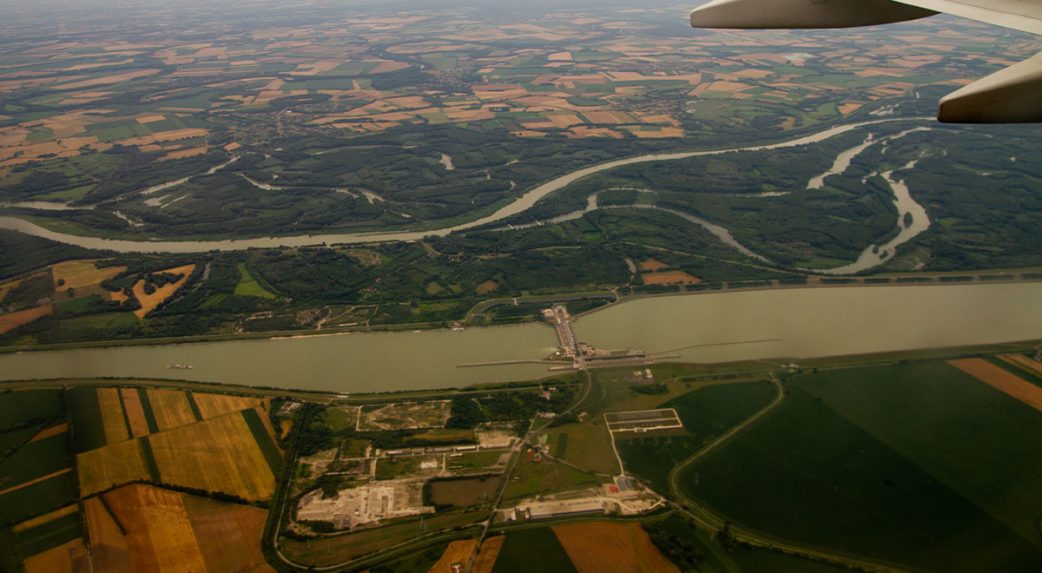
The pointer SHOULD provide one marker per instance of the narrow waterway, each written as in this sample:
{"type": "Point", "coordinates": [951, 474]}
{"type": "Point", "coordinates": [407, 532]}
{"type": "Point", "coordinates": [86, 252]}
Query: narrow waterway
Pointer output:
{"type": "Point", "coordinates": [911, 219]}
{"type": "Point", "coordinates": [518, 205]}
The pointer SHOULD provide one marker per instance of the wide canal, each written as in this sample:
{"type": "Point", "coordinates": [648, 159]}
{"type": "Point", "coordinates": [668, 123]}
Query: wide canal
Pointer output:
{"type": "Point", "coordinates": [727, 326]}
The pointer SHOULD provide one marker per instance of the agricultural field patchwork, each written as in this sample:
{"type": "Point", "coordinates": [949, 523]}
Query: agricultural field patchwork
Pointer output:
{"type": "Point", "coordinates": [881, 438]}
{"type": "Point", "coordinates": [135, 527]}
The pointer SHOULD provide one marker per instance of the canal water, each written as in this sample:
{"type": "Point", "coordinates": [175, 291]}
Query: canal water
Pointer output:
{"type": "Point", "coordinates": [813, 322]}
{"type": "Point", "coordinates": [716, 327]}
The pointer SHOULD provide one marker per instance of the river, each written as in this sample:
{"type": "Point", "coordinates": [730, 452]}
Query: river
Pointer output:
{"type": "Point", "coordinates": [345, 363]}
{"type": "Point", "coordinates": [710, 327]}
{"type": "Point", "coordinates": [518, 205]}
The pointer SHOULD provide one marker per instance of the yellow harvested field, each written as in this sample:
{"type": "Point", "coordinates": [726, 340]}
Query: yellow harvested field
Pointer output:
{"type": "Point", "coordinates": [149, 302]}
{"type": "Point", "coordinates": [1024, 362]}
{"type": "Point", "coordinates": [171, 408]}
{"type": "Point", "coordinates": [184, 153]}
{"type": "Point", "coordinates": [458, 552]}
{"type": "Point", "coordinates": [134, 411]}
{"type": "Point", "coordinates": [652, 265]}
{"type": "Point", "coordinates": [216, 455]}
{"type": "Point", "coordinates": [71, 557]}
{"type": "Point", "coordinates": [107, 542]}
{"type": "Point", "coordinates": [486, 559]}
{"type": "Point", "coordinates": [112, 415]}
{"type": "Point", "coordinates": [487, 287]}
{"type": "Point", "coordinates": [669, 278]}
{"type": "Point", "coordinates": [605, 547]}
{"type": "Point", "coordinates": [159, 533]}
{"type": "Point", "coordinates": [110, 466]}
{"type": "Point", "coordinates": [563, 120]}
{"type": "Point", "coordinates": [69, 509]}
{"type": "Point", "coordinates": [229, 534]}
{"type": "Point", "coordinates": [151, 118]}
{"type": "Point", "coordinates": [608, 117]}
{"type": "Point", "coordinates": [106, 80]}
{"type": "Point", "coordinates": [560, 57]}
{"type": "Point", "coordinates": [168, 136]}
{"type": "Point", "coordinates": [79, 274]}
{"type": "Point", "coordinates": [849, 108]}
{"type": "Point", "coordinates": [13, 320]}
{"type": "Point", "coordinates": [660, 133]}
{"type": "Point", "coordinates": [214, 405]}
{"type": "Point", "coordinates": [1001, 380]}
{"type": "Point", "coordinates": [52, 431]}
{"type": "Point", "coordinates": [582, 132]}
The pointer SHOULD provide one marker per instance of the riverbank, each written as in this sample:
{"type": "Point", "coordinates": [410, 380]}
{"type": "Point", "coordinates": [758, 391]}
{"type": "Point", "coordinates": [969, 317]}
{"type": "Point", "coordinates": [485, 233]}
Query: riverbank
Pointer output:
{"type": "Point", "coordinates": [1032, 274]}
{"type": "Point", "coordinates": [777, 325]}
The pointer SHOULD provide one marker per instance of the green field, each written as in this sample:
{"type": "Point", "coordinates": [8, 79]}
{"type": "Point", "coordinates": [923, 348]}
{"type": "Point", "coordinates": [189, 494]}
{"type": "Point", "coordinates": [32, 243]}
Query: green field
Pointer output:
{"type": "Point", "coordinates": [529, 549]}
{"type": "Point", "coordinates": [248, 286]}
{"type": "Point", "coordinates": [264, 440]}
{"type": "Point", "coordinates": [916, 464]}
{"type": "Point", "coordinates": [36, 459]}
{"type": "Point", "coordinates": [530, 479]}
{"type": "Point", "coordinates": [38, 498]}
{"type": "Point", "coordinates": [337, 549]}
{"type": "Point", "coordinates": [88, 432]}
{"type": "Point", "coordinates": [51, 534]}
{"type": "Point", "coordinates": [706, 414]}
{"type": "Point", "coordinates": [18, 408]}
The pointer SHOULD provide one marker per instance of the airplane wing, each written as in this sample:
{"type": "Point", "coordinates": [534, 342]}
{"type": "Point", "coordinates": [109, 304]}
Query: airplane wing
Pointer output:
{"type": "Point", "coordinates": [1012, 95]}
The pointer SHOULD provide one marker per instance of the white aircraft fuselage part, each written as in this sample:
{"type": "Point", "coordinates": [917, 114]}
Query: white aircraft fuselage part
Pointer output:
{"type": "Point", "coordinates": [1012, 95]}
{"type": "Point", "coordinates": [766, 14]}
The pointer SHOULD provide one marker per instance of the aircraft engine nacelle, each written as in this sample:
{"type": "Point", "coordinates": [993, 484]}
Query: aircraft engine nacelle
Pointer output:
{"type": "Point", "coordinates": [759, 14]}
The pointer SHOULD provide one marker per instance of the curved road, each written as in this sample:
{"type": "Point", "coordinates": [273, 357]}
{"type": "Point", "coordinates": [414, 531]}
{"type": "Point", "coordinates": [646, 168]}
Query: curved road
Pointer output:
{"type": "Point", "coordinates": [702, 514]}
{"type": "Point", "coordinates": [519, 205]}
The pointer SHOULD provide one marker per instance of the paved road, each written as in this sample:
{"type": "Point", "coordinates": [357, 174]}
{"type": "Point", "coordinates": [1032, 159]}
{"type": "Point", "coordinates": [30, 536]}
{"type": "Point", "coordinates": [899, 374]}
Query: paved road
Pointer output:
{"type": "Point", "coordinates": [706, 517]}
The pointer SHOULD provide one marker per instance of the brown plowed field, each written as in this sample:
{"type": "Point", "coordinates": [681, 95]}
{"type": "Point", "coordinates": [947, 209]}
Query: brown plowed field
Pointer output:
{"type": "Point", "coordinates": [70, 557]}
{"type": "Point", "coordinates": [1001, 380]}
{"type": "Point", "coordinates": [486, 559]}
{"type": "Point", "coordinates": [669, 278]}
{"type": "Point", "coordinates": [13, 320]}
{"type": "Point", "coordinates": [603, 547]}
{"type": "Point", "coordinates": [229, 534]}
{"type": "Point", "coordinates": [652, 265]}
{"type": "Point", "coordinates": [159, 534]}
{"type": "Point", "coordinates": [171, 408]}
{"type": "Point", "coordinates": [108, 544]}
